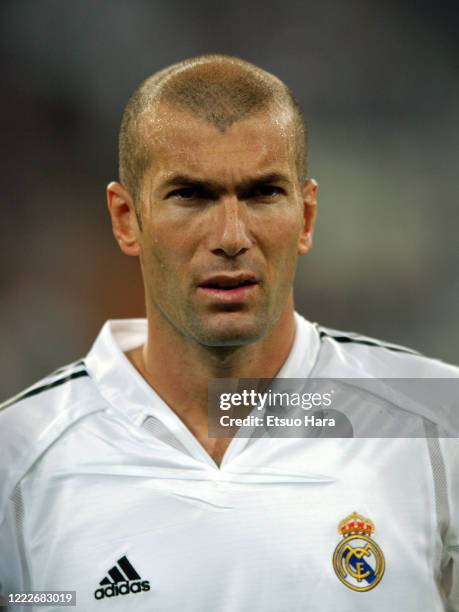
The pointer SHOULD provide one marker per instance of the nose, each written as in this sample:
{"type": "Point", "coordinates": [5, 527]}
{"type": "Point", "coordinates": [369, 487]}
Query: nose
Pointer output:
{"type": "Point", "coordinates": [229, 234]}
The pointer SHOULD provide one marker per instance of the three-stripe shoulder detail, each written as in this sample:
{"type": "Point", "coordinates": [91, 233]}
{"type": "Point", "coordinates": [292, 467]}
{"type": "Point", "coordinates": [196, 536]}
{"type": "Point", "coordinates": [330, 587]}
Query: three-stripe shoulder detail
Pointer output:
{"type": "Point", "coordinates": [56, 379]}
{"type": "Point", "coordinates": [345, 338]}
{"type": "Point", "coordinates": [70, 367]}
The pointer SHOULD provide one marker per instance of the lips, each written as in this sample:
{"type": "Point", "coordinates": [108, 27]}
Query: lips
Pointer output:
{"type": "Point", "coordinates": [228, 281]}
{"type": "Point", "coordinates": [229, 290]}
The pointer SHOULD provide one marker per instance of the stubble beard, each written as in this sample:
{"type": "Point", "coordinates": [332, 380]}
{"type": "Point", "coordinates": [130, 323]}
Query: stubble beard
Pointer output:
{"type": "Point", "coordinates": [217, 329]}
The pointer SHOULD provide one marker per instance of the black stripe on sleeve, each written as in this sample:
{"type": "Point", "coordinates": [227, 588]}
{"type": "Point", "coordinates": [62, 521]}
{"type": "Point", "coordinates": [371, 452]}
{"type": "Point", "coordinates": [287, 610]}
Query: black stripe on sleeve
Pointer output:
{"type": "Point", "coordinates": [43, 388]}
{"type": "Point", "coordinates": [348, 339]}
{"type": "Point", "coordinates": [69, 366]}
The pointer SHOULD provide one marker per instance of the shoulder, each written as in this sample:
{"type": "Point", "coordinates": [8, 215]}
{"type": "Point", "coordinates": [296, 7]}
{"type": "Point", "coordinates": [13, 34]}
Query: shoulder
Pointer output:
{"type": "Point", "coordinates": [412, 395]}
{"type": "Point", "coordinates": [353, 354]}
{"type": "Point", "coordinates": [52, 395]}
{"type": "Point", "coordinates": [32, 420]}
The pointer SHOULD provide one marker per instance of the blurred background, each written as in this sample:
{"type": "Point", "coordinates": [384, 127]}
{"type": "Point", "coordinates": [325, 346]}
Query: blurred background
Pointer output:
{"type": "Point", "coordinates": [379, 85]}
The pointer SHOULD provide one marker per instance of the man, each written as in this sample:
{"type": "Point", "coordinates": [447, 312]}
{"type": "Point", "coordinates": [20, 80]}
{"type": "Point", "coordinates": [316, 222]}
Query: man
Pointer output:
{"type": "Point", "coordinates": [110, 483]}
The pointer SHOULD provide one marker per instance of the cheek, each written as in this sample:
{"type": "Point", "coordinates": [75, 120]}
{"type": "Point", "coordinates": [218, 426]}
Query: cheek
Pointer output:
{"type": "Point", "coordinates": [156, 262]}
{"type": "Point", "coordinates": [280, 237]}
{"type": "Point", "coordinates": [176, 232]}
{"type": "Point", "coordinates": [162, 247]}
{"type": "Point", "coordinates": [281, 255]}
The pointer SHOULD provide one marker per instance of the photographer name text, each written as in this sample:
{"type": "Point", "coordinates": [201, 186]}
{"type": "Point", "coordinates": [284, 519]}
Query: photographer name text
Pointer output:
{"type": "Point", "coordinates": [271, 420]}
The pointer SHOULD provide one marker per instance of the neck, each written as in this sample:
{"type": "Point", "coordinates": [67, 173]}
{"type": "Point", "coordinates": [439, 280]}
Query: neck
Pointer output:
{"type": "Point", "coordinates": [178, 368]}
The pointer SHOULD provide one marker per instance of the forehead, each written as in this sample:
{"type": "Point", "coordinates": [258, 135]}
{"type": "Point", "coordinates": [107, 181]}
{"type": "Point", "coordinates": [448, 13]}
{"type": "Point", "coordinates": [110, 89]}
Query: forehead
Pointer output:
{"type": "Point", "coordinates": [180, 142]}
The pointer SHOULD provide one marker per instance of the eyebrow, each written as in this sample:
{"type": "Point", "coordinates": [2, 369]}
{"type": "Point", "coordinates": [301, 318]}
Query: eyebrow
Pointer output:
{"type": "Point", "coordinates": [190, 181]}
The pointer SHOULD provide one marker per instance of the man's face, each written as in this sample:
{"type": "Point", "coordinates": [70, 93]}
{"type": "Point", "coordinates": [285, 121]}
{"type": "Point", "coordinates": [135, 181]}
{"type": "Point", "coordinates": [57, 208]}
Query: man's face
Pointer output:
{"type": "Point", "coordinates": [223, 221]}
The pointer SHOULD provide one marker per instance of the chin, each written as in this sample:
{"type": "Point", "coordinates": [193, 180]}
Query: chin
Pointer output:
{"type": "Point", "coordinates": [229, 331]}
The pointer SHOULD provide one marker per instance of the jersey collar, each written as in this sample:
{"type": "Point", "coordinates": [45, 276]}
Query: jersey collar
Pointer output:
{"type": "Point", "coordinates": [123, 387]}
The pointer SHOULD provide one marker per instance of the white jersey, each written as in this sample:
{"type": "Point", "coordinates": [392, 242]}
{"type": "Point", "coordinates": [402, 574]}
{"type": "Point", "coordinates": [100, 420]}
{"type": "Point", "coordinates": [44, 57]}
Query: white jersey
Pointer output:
{"type": "Point", "coordinates": [104, 491]}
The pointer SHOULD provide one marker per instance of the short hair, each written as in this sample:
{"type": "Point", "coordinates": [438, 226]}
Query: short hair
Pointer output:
{"type": "Point", "coordinates": [219, 89]}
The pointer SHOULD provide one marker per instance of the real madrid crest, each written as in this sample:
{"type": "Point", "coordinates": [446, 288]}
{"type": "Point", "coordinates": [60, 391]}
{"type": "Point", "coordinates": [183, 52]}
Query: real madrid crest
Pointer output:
{"type": "Point", "coordinates": [358, 561]}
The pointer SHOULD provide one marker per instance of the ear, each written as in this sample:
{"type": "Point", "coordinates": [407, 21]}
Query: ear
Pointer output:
{"type": "Point", "coordinates": [309, 215]}
{"type": "Point", "coordinates": [124, 219]}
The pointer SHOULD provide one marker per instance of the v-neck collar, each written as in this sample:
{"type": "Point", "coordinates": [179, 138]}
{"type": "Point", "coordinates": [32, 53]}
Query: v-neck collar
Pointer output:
{"type": "Point", "coordinates": [128, 392]}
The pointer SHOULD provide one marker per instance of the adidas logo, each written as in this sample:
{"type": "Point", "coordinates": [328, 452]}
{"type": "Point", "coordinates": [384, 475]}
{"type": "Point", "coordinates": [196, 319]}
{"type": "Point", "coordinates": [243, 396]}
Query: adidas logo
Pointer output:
{"type": "Point", "coordinates": [123, 580]}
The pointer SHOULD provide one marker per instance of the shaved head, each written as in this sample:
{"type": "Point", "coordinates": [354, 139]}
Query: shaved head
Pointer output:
{"type": "Point", "coordinates": [217, 89]}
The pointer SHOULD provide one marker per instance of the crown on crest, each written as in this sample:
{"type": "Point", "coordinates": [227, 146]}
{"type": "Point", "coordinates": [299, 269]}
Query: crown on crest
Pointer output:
{"type": "Point", "coordinates": [356, 524]}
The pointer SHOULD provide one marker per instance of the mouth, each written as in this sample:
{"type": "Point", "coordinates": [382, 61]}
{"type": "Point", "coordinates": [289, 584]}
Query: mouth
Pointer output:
{"type": "Point", "coordinates": [229, 287]}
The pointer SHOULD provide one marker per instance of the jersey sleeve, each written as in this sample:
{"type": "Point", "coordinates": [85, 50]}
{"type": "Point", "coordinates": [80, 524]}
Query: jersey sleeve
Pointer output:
{"type": "Point", "coordinates": [12, 578]}
{"type": "Point", "coordinates": [450, 576]}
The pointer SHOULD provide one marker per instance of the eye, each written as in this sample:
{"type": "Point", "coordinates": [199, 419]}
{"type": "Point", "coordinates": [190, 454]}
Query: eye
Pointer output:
{"type": "Point", "coordinates": [184, 193]}
{"type": "Point", "coordinates": [266, 192]}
